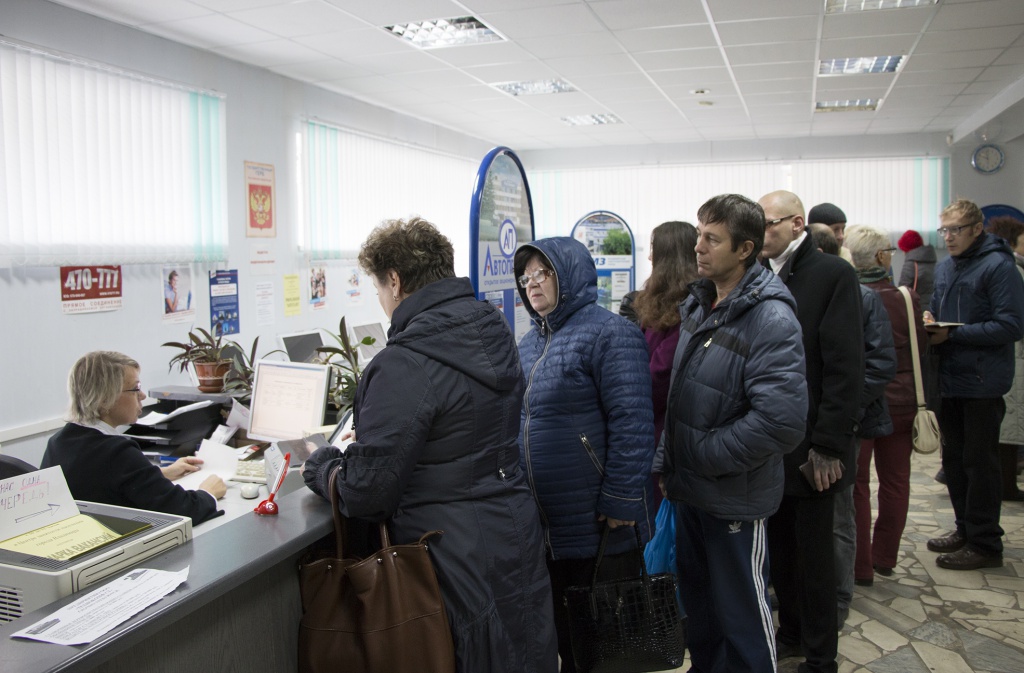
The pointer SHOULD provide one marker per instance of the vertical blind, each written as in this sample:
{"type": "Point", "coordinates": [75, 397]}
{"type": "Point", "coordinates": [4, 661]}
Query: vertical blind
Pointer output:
{"type": "Point", "coordinates": [103, 166]}
{"type": "Point", "coordinates": [352, 182]}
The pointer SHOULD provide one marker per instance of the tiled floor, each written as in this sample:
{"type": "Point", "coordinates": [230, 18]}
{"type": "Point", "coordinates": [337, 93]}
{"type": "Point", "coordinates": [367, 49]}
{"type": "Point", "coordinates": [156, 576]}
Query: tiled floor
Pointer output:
{"type": "Point", "coordinates": [925, 619]}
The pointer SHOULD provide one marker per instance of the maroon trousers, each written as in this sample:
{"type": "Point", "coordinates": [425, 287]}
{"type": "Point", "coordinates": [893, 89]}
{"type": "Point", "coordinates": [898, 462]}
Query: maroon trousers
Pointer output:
{"type": "Point", "coordinates": [892, 464]}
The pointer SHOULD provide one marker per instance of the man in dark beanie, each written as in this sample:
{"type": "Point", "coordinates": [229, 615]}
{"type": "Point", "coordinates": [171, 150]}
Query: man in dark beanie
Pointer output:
{"type": "Point", "coordinates": [833, 216]}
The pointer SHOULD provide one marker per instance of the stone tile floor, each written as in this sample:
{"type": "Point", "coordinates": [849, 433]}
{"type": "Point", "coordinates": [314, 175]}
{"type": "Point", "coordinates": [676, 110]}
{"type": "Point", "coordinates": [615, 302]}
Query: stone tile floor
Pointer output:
{"type": "Point", "coordinates": [925, 619]}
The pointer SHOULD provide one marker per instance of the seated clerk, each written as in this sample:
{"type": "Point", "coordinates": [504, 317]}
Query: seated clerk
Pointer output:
{"type": "Point", "coordinates": [101, 465]}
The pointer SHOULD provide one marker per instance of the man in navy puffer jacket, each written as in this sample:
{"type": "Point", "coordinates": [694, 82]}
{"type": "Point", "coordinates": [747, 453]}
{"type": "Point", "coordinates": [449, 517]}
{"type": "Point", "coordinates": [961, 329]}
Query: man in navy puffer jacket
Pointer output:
{"type": "Point", "coordinates": [587, 431]}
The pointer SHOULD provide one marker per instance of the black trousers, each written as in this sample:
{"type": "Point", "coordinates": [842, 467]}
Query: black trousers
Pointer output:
{"type": "Point", "coordinates": [802, 555]}
{"type": "Point", "coordinates": [970, 459]}
{"type": "Point", "coordinates": [576, 572]}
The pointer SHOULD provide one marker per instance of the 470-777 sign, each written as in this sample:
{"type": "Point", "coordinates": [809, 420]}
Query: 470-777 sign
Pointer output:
{"type": "Point", "coordinates": [89, 289]}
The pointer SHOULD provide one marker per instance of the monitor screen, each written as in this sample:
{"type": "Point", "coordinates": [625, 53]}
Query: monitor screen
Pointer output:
{"type": "Point", "coordinates": [374, 330]}
{"type": "Point", "coordinates": [288, 398]}
{"type": "Point", "coordinates": [301, 346]}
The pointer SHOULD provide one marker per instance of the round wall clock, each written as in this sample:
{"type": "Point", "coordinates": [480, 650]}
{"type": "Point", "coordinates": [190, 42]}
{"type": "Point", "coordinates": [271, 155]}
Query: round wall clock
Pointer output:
{"type": "Point", "coordinates": [987, 159]}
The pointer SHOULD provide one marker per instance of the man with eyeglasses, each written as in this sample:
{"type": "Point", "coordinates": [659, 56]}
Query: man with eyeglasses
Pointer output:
{"type": "Point", "coordinates": [800, 534]}
{"type": "Point", "coordinates": [976, 316]}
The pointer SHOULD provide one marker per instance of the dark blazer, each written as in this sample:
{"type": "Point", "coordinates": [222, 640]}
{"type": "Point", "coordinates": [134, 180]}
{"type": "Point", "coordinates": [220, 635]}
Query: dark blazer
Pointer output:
{"type": "Point", "coordinates": [828, 304]}
{"type": "Point", "coordinates": [112, 469]}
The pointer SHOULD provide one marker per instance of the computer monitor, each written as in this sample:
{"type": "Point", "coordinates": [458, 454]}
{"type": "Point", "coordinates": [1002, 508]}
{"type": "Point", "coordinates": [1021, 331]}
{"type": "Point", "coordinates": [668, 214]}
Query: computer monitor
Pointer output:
{"type": "Point", "coordinates": [301, 346]}
{"type": "Point", "coordinates": [288, 398]}
{"type": "Point", "coordinates": [375, 330]}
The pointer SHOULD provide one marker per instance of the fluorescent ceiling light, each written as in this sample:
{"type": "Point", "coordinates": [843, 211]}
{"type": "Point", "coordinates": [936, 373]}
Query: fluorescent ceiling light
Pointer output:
{"type": "Point", "coordinates": [842, 6]}
{"type": "Point", "coordinates": [860, 66]}
{"type": "Point", "coordinates": [859, 105]}
{"type": "Point", "coordinates": [591, 120]}
{"type": "Point", "coordinates": [445, 32]}
{"type": "Point", "coordinates": [539, 86]}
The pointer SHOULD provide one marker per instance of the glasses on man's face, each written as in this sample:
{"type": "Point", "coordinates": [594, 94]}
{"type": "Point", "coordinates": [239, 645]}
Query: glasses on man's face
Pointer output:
{"type": "Point", "coordinates": [771, 223]}
{"type": "Point", "coordinates": [949, 232]}
{"type": "Point", "coordinates": [137, 389]}
{"type": "Point", "coordinates": [538, 276]}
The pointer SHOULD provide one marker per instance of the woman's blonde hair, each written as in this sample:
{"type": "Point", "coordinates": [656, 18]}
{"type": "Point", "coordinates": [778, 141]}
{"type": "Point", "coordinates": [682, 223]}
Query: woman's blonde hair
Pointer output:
{"type": "Point", "coordinates": [94, 384]}
{"type": "Point", "coordinates": [864, 242]}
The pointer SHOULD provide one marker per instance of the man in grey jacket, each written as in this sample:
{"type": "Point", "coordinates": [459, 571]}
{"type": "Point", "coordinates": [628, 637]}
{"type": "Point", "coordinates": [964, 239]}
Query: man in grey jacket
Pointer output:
{"type": "Point", "coordinates": [737, 403]}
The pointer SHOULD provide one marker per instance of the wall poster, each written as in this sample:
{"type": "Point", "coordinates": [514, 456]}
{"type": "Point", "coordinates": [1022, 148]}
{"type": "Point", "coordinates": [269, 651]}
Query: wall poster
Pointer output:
{"type": "Point", "coordinates": [260, 201]}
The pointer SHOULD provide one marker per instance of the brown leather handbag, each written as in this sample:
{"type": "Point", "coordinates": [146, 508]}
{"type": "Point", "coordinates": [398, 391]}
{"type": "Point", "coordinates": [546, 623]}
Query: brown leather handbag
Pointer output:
{"type": "Point", "coordinates": [380, 614]}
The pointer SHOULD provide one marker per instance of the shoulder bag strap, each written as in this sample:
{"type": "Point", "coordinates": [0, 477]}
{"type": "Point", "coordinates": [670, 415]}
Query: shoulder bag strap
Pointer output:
{"type": "Point", "coordinates": [914, 352]}
{"type": "Point", "coordinates": [339, 520]}
{"type": "Point", "coordinates": [915, 276]}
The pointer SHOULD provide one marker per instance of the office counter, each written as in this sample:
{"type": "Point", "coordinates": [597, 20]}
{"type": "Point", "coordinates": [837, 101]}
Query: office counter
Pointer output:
{"type": "Point", "coordinates": [238, 611]}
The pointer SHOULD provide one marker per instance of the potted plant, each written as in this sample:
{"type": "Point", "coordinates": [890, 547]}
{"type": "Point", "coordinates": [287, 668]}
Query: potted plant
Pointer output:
{"type": "Point", "coordinates": [205, 353]}
{"type": "Point", "coordinates": [346, 367]}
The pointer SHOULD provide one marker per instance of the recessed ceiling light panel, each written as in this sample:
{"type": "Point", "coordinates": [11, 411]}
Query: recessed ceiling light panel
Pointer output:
{"type": "Point", "coordinates": [860, 66]}
{"type": "Point", "coordinates": [440, 33]}
{"type": "Point", "coordinates": [843, 6]}
{"type": "Point", "coordinates": [591, 120]}
{"type": "Point", "coordinates": [536, 87]}
{"type": "Point", "coordinates": [859, 105]}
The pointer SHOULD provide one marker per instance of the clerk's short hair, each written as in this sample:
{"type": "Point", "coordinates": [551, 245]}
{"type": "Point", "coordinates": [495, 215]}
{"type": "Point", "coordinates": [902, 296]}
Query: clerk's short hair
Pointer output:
{"type": "Point", "coordinates": [415, 250]}
{"type": "Point", "coordinates": [94, 384]}
{"type": "Point", "coordinates": [743, 219]}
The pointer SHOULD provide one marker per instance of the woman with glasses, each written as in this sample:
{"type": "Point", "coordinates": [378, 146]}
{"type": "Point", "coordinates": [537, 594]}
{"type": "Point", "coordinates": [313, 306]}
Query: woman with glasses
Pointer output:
{"type": "Point", "coordinates": [587, 431]}
{"type": "Point", "coordinates": [435, 421]}
{"type": "Point", "coordinates": [102, 465]}
{"type": "Point", "coordinates": [877, 551]}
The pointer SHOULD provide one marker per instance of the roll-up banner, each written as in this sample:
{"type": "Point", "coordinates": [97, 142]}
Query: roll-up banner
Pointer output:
{"type": "Point", "coordinates": [500, 220]}
{"type": "Point", "coordinates": [610, 242]}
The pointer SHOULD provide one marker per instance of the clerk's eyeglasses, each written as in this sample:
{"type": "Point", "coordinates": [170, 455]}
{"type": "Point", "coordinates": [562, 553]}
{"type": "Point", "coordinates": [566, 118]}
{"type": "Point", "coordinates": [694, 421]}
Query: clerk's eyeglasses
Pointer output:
{"type": "Point", "coordinates": [538, 276]}
{"type": "Point", "coordinates": [137, 389]}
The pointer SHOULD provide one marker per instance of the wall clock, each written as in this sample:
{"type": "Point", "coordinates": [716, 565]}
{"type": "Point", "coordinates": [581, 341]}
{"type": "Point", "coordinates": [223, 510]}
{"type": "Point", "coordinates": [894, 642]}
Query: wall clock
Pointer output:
{"type": "Point", "coordinates": [987, 159]}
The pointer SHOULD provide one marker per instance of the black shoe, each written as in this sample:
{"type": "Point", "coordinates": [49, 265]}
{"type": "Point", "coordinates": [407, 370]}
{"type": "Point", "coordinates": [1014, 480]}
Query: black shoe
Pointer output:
{"type": "Point", "coordinates": [869, 582]}
{"type": "Point", "coordinates": [947, 544]}
{"type": "Point", "coordinates": [940, 476]}
{"type": "Point", "coordinates": [968, 559]}
{"type": "Point", "coordinates": [884, 572]}
{"type": "Point", "coordinates": [787, 651]}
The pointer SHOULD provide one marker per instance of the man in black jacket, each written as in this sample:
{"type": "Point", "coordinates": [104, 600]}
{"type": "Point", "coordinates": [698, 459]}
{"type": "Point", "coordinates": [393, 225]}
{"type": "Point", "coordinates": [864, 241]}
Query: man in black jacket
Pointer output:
{"type": "Point", "coordinates": [800, 534]}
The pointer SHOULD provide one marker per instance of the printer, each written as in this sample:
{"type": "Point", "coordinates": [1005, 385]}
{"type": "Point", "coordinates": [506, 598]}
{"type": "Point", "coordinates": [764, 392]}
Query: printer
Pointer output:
{"type": "Point", "coordinates": [29, 582]}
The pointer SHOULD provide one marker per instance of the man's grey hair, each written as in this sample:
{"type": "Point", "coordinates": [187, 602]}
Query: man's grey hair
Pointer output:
{"type": "Point", "coordinates": [864, 242]}
{"type": "Point", "coordinates": [94, 384]}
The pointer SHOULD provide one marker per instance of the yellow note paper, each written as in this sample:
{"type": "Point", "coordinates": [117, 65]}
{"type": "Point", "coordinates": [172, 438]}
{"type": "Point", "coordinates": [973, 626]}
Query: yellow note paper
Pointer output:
{"type": "Point", "coordinates": [292, 296]}
{"type": "Point", "coordinates": [63, 540]}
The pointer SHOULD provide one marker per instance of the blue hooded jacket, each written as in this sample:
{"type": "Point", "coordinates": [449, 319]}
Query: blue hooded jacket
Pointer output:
{"type": "Point", "coordinates": [587, 431]}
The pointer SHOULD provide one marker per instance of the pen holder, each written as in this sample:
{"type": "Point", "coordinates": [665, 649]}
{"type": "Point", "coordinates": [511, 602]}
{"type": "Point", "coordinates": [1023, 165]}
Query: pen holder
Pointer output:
{"type": "Point", "coordinates": [267, 507]}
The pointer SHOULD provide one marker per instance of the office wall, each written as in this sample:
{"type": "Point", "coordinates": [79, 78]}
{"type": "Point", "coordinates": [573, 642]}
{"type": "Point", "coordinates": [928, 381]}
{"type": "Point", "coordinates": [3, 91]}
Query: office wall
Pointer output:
{"type": "Point", "coordinates": [38, 344]}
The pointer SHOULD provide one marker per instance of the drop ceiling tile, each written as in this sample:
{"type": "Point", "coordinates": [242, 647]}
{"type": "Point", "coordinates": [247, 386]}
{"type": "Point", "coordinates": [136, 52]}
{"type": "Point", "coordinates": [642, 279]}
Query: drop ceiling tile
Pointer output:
{"type": "Point", "coordinates": [850, 93]}
{"type": "Point", "coordinates": [771, 107]}
{"type": "Point", "coordinates": [794, 130]}
{"type": "Point", "coordinates": [324, 70]}
{"type": "Point", "coordinates": [1002, 73]}
{"type": "Point", "coordinates": [563, 104]}
{"type": "Point", "coordinates": [399, 62]}
{"type": "Point", "coordinates": [274, 52]}
{"type": "Point", "coordinates": [777, 87]}
{"type": "Point", "coordinates": [673, 135]}
{"type": "Point", "coordinates": [478, 92]}
{"type": "Point", "coordinates": [645, 109]}
{"type": "Point", "coordinates": [697, 78]}
{"type": "Point", "coordinates": [908, 100]}
{"type": "Point", "coordinates": [790, 52]}
{"type": "Point", "coordinates": [304, 17]}
{"type": "Point", "coordinates": [1014, 56]}
{"type": "Point", "coordinates": [768, 31]}
{"type": "Point", "coordinates": [378, 13]}
{"type": "Point", "coordinates": [596, 83]}
{"type": "Point", "coordinates": [210, 31]}
{"type": "Point", "coordinates": [571, 66]}
{"type": "Point", "coordinates": [512, 72]}
{"type": "Point", "coordinates": [678, 59]}
{"type": "Point", "coordinates": [624, 14]}
{"type": "Point", "coordinates": [487, 53]}
{"type": "Point", "coordinates": [359, 86]}
{"type": "Point", "coordinates": [871, 80]}
{"type": "Point", "coordinates": [912, 125]}
{"type": "Point", "coordinates": [574, 44]}
{"type": "Point", "coordinates": [730, 10]}
{"type": "Point", "coordinates": [135, 13]}
{"type": "Point", "coordinates": [728, 132]}
{"type": "Point", "coordinates": [886, 22]}
{"type": "Point", "coordinates": [229, 5]}
{"type": "Point", "coordinates": [522, 24]}
{"type": "Point", "coordinates": [939, 89]}
{"type": "Point", "coordinates": [967, 39]}
{"type": "Point", "coordinates": [363, 42]}
{"type": "Point", "coordinates": [668, 37]}
{"type": "Point", "coordinates": [846, 126]}
{"type": "Point", "coordinates": [981, 14]}
{"type": "Point", "coordinates": [940, 76]}
{"type": "Point", "coordinates": [433, 80]}
{"type": "Point", "coordinates": [763, 71]}
{"type": "Point", "coordinates": [988, 89]}
{"type": "Point", "coordinates": [855, 47]}
{"type": "Point", "coordinates": [958, 59]}
{"type": "Point", "coordinates": [971, 99]}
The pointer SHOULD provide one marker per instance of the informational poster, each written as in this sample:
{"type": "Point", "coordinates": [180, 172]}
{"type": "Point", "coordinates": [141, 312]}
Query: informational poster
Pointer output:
{"type": "Point", "coordinates": [260, 203]}
{"type": "Point", "coordinates": [224, 302]}
{"type": "Point", "coordinates": [90, 289]}
{"type": "Point", "coordinates": [177, 287]}
{"type": "Point", "coordinates": [500, 220]}
{"type": "Point", "coordinates": [353, 289]}
{"type": "Point", "coordinates": [262, 261]}
{"type": "Point", "coordinates": [610, 242]}
{"type": "Point", "coordinates": [292, 295]}
{"type": "Point", "coordinates": [317, 288]}
{"type": "Point", "coordinates": [265, 314]}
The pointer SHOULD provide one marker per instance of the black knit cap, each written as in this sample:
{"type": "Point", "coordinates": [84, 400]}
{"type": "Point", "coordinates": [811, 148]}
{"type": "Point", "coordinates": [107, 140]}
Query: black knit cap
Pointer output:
{"type": "Point", "coordinates": [826, 213]}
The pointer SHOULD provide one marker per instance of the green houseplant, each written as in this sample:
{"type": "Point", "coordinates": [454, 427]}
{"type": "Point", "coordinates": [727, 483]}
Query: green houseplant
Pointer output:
{"type": "Point", "coordinates": [205, 353]}
{"type": "Point", "coordinates": [344, 360]}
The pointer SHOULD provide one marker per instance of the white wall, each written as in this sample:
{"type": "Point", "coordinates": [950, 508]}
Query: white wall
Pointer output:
{"type": "Point", "coordinates": [38, 344]}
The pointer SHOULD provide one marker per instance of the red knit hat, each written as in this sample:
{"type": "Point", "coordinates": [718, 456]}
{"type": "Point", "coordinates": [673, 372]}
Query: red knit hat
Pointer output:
{"type": "Point", "coordinates": [910, 240]}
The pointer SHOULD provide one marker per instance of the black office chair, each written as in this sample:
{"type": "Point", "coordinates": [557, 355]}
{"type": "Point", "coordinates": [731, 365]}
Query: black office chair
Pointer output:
{"type": "Point", "coordinates": [12, 467]}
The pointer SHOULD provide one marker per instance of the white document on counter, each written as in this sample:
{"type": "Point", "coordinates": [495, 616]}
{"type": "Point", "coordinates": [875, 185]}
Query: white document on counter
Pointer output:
{"type": "Point", "coordinates": [99, 611]}
{"type": "Point", "coordinates": [154, 417]}
{"type": "Point", "coordinates": [218, 459]}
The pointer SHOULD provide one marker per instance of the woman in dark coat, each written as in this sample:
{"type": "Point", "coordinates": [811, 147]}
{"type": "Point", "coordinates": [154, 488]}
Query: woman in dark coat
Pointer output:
{"type": "Point", "coordinates": [435, 421]}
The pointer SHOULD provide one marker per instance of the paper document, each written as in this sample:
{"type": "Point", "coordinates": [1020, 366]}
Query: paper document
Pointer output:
{"type": "Point", "coordinates": [99, 611]}
{"type": "Point", "coordinates": [218, 459]}
{"type": "Point", "coordinates": [65, 539]}
{"type": "Point", "coordinates": [33, 500]}
{"type": "Point", "coordinates": [939, 324]}
{"type": "Point", "coordinates": [154, 417]}
{"type": "Point", "coordinates": [239, 415]}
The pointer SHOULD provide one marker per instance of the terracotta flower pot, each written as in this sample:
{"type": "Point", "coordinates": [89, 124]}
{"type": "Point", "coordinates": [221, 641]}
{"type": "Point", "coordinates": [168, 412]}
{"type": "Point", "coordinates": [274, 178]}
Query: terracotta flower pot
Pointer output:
{"type": "Point", "coordinates": [211, 375]}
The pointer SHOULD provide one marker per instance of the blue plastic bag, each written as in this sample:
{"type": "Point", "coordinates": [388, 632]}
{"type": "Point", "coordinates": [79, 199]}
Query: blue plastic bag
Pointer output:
{"type": "Point", "coordinates": [660, 552]}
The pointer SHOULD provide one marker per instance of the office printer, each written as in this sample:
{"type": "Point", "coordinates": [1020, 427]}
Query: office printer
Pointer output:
{"type": "Point", "coordinates": [29, 582]}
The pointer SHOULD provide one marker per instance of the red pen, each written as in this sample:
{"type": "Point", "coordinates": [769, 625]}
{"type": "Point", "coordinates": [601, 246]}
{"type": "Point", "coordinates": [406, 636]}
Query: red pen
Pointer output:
{"type": "Point", "coordinates": [268, 507]}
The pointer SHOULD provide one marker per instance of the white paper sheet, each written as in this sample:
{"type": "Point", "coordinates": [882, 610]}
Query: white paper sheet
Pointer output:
{"type": "Point", "coordinates": [99, 611]}
{"type": "Point", "coordinates": [154, 417]}
{"type": "Point", "coordinates": [218, 459]}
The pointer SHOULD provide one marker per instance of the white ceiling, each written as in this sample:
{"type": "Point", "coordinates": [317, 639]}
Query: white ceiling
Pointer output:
{"type": "Point", "coordinates": [637, 59]}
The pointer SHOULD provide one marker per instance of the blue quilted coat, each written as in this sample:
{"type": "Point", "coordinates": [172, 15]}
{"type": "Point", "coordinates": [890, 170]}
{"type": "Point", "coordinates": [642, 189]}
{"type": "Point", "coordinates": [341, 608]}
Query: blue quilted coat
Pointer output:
{"type": "Point", "coordinates": [587, 431]}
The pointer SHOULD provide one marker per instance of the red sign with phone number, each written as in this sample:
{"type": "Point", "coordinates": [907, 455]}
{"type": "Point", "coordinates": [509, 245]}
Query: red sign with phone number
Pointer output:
{"type": "Point", "coordinates": [88, 289]}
